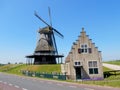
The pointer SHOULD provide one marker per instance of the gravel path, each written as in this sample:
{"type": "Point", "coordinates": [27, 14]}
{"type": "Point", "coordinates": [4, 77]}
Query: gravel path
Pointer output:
{"type": "Point", "coordinates": [111, 66]}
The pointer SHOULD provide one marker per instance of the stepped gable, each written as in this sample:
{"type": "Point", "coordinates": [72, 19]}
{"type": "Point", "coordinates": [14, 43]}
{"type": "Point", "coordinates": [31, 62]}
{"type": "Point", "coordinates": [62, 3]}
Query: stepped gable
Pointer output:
{"type": "Point", "coordinates": [84, 61]}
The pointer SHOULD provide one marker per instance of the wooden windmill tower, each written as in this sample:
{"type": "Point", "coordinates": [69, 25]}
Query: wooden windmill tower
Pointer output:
{"type": "Point", "coordinates": [46, 50]}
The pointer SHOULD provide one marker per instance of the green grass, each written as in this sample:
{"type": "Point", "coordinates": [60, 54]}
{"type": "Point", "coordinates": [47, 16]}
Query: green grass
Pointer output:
{"type": "Point", "coordinates": [44, 68]}
{"type": "Point", "coordinates": [116, 62]}
{"type": "Point", "coordinates": [11, 68]}
{"type": "Point", "coordinates": [17, 68]}
{"type": "Point", "coordinates": [7, 67]}
{"type": "Point", "coordinates": [112, 83]}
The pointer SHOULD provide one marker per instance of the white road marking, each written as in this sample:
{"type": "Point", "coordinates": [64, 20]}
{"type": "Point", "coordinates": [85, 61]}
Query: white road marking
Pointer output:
{"type": "Point", "coordinates": [23, 78]}
{"type": "Point", "coordinates": [60, 84]}
{"type": "Point", "coordinates": [28, 79]}
{"type": "Point", "coordinates": [34, 80]}
{"type": "Point", "coordinates": [73, 86]}
{"type": "Point", "coordinates": [16, 86]}
{"type": "Point", "coordinates": [5, 82]}
{"type": "Point", "coordinates": [49, 82]}
{"type": "Point", "coordinates": [24, 89]}
{"type": "Point", "coordinates": [88, 89]}
{"type": "Point", "coordinates": [42, 81]}
{"type": "Point", "coordinates": [10, 84]}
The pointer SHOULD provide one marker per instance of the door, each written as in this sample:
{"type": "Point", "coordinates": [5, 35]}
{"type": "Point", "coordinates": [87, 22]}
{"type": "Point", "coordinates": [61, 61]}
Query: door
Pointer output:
{"type": "Point", "coordinates": [78, 72]}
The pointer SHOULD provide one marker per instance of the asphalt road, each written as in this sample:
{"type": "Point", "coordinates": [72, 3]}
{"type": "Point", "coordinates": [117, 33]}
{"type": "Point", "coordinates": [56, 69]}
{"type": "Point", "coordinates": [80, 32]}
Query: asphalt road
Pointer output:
{"type": "Point", "coordinates": [27, 83]}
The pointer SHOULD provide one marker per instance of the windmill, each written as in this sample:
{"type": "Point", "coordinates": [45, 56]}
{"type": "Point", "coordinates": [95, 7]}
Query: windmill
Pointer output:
{"type": "Point", "coordinates": [46, 50]}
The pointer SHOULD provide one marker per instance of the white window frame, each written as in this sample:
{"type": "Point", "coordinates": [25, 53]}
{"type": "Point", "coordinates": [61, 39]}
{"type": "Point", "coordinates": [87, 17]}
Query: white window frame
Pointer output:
{"type": "Point", "coordinates": [93, 67]}
{"type": "Point", "coordinates": [82, 47]}
{"type": "Point", "coordinates": [77, 63]}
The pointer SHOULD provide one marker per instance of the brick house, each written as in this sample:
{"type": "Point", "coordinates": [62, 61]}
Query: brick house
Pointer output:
{"type": "Point", "coordinates": [84, 61]}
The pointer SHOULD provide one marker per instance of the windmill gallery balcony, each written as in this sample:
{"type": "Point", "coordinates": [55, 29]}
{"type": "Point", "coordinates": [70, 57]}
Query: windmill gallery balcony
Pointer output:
{"type": "Point", "coordinates": [45, 58]}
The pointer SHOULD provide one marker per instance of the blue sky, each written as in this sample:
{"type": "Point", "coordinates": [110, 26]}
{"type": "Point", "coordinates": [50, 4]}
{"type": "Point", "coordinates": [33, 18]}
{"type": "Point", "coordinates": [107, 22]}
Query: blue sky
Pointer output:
{"type": "Point", "coordinates": [18, 25]}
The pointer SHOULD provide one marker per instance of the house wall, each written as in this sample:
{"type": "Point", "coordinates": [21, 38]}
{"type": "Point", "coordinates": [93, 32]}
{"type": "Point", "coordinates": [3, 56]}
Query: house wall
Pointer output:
{"type": "Point", "coordinates": [84, 58]}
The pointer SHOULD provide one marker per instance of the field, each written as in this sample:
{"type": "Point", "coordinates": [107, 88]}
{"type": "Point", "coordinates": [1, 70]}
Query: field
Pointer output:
{"type": "Point", "coordinates": [116, 62]}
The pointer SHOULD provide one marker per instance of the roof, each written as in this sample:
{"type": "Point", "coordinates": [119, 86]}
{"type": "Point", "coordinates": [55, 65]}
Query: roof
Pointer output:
{"type": "Point", "coordinates": [45, 42]}
{"type": "Point", "coordinates": [45, 30]}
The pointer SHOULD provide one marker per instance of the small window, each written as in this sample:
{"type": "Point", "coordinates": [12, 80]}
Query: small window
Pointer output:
{"type": "Point", "coordinates": [95, 70]}
{"type": "Point", "coordinates": [90, 70]}
{"type": "Point", "coordinates": [75, 63]}
{"type": "Point", "coordinates": [84, 48]}
{"type": "Point", "coordinates": [94, 63]}
{"type": "Point", "coordinates": [90, 63]}
{"type": "Point", "coordinates": [78, 63]}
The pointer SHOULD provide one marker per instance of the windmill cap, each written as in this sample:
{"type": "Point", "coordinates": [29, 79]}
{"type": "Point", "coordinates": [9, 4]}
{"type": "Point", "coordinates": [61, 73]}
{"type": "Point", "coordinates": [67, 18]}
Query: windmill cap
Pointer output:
{"type": "Point", "coordinates": [45, 30]}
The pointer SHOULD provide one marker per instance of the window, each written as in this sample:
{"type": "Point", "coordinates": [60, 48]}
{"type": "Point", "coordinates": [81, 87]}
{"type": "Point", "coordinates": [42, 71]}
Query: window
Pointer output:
{"type": "Point", "coordinates": [77, 63]}
{"type": "Point", "coordinates": [93, 70]}
{"type": "Point", "coordinates": [90, 63]}
{"type": "Point", "coordinates": [90, 70]}
{"type": "Point", "coordinates": [94, 63]}
{"type": "Point", "coordinates": [84, 49]}
{"type": "Point", "coordinates": [93, 67]}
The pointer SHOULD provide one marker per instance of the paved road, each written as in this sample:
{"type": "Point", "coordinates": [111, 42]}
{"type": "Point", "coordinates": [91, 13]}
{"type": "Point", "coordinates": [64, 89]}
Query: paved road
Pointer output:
{"type": "Point", "coordinates": [111, 66]}
{"type": "Point", "coordinates": [27, 83]}
{"type": "Point", "coordinates": [6, 86]}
